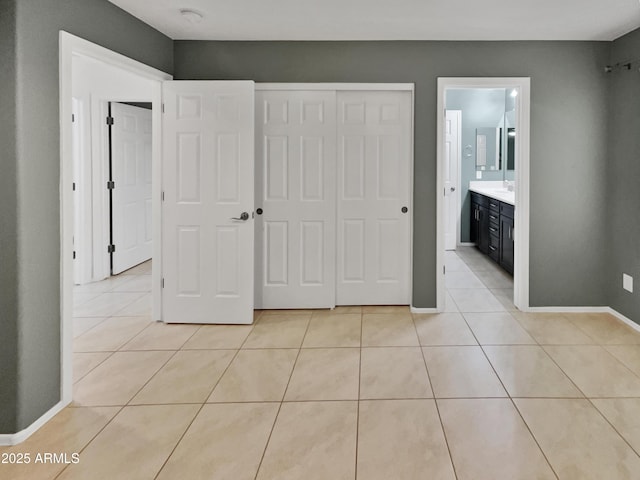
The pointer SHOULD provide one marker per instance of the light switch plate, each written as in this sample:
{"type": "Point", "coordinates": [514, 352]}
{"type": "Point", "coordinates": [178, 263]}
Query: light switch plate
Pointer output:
{"type": "Point", "coordinates": [478, 174]}
{"type": "Point", "coordinates": [627, 282]}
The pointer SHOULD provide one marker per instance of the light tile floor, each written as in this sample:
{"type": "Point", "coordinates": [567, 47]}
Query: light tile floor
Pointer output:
{"type": "Point", "coordinates": [479, 392]}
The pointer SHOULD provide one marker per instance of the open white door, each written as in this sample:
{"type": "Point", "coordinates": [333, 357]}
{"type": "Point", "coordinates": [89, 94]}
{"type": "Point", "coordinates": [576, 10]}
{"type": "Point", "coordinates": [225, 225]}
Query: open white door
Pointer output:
{"type": "Point", "coordinates": [452, 143]}
{"type": "Point", "coordinates": [207, 212]}
{"type": "Point", "coordinates": [131, 224]}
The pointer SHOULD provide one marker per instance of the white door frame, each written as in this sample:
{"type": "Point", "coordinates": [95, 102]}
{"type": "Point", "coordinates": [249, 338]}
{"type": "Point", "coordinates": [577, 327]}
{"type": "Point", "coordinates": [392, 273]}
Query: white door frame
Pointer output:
{"type": "Point", "coordinates": [523, 109]}
{"type": "Point", "coordinates": [458, 161]}
{"type": "Point", "coordinates": [402, 87]}
{"type": "Point", "coordinates": [70, 46]}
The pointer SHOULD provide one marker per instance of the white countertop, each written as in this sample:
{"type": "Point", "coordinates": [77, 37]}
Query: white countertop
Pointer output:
{"type": "Point", "coordinates": [495, 190]}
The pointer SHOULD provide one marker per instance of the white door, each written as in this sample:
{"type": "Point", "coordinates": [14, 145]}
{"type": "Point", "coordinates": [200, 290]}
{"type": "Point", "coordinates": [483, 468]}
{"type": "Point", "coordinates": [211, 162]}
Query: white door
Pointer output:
{"type": "Point", "coordinates": [452, 126]}
{"type": "Point", "coordinates": [131, 194]}
{"type": "Point", "coordinates": [295, 199]}
{"type": "Point", "coordinates": [208, 188]}
{"type": "Point", "coordinates": [373, 224]}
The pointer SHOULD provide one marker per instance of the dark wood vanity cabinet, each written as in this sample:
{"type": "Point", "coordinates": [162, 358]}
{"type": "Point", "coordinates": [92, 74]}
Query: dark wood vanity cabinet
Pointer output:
{"type": "Point", "coordinates": [506, 236]}
{"type": "Point", "coordinates": [492, 229]}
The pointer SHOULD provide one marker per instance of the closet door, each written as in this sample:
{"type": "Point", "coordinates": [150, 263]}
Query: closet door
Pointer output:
{"type": "Point", "coordinates": [373, 222]}
{"type": "Point", "coordinates": [295, 199]}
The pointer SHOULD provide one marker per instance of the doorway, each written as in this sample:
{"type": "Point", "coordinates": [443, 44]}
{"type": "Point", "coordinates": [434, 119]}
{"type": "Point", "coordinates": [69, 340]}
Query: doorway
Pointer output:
{"type": "Point", "coordinates": [104, 75]}
{"type": "Point", "coordinates": [520, 231]}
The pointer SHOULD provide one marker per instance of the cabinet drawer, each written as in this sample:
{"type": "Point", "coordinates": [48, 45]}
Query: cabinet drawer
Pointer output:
{"type": "Point", "coordinates": [479, 199]}
{"type": "Point", "coordinates": [507, 210]}
{"type": "Point", "coordinates": [494, 229]}
{"type": "Point", "coordinates": [494, 206]}
{"type": "Point", "coordinates": [494, 247]}
{"type": "Point", "coordinates": [494, 219]}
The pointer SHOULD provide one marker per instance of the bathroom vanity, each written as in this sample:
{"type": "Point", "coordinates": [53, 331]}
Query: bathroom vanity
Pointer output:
{"type": "Point", "coordinates": [492, 222]}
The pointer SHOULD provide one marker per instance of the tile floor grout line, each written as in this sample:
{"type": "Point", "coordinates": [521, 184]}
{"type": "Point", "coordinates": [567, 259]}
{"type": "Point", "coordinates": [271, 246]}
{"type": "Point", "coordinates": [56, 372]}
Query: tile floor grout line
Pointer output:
{"type": "Point", "coordinates": [444, 434]}
{"type": "Point", "coordinates": [92, 438]}
{"type": "Point", "coordinates": [590, 400]}
{"type": "Point", "coordinates": [275, 420]}
{"type": "Point", "coordinates": [74, 380]}
{"type": "Point", "coordinates": [519, 413]}
{"type": "Point", "coordinates": [359, 397]}
{"type": "Point", "coordinates": [202, 405]}
{"type": "Point", "coordinates": [128, 404]}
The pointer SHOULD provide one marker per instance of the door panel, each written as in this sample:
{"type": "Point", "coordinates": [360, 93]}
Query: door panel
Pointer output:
{"type": "Point", "coordinates": [374, 154]}
{"type": "Point", "coordinates": [208, 182]}
{"type": "Point", "coordinates": [131, 197]}
{"type": "Point", "coordinates": [295, 188]}
{"type": "Point", "coordinates": [452, 143]}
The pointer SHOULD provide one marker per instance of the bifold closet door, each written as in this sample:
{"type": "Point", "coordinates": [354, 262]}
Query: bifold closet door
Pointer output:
{"type": "Point", "coordinates": [208, 198]}
{"type": "Point", "coordinates": [373, 220]}
{"type": "Point", "coordinates": [295, 199]}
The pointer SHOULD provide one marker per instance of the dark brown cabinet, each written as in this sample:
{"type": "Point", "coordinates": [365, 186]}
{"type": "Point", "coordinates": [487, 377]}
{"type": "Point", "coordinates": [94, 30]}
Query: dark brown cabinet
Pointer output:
{"type": "Point", "coordinates": [492, 229]}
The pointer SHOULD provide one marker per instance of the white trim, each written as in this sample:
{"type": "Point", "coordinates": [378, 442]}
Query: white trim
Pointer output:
{"type": "Point", "coordinates": [567, 310]}
{"type": "Point", "coordinates": [22, 435]}
{"type": "Point", "coordinates": [523, 106]}
{"type": "Point", "coordinates": [615, 313]}
{"type": "Point", "coordinates": [423, 310]}
{"type": "Point", "coordinates": [466, 244]}
{"type": "Point", "coordinates": [70, 45]}
{"type": "Point", "coordinates": [337, 86]}
{"type": "Point", "coordinates": [624, 319]}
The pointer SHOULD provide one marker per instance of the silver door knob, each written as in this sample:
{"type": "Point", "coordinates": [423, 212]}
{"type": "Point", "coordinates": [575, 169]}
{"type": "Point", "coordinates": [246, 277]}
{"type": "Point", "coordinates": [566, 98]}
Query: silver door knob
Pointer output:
{"type": "Point", "coordinates": [453, 189]}
{"type": "Point", "coordinates": [244, 216]}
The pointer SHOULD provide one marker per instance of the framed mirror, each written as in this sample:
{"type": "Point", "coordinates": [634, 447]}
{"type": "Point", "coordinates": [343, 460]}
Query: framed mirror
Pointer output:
{"type": "Point", "coordinates": [489, 148]}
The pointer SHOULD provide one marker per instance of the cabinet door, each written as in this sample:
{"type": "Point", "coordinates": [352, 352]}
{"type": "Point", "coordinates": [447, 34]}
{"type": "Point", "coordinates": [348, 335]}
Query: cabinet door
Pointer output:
{"type": "Point", "coordinates": [506, 243]}
{"type": "Point", "coordinates": [474, 223]}
{"type": "Point", "coordinates": [483, 229]}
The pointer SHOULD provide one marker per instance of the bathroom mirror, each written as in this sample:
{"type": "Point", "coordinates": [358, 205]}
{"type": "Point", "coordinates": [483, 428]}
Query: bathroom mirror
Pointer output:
{"type": "Point", "coordinates": [489, 148]}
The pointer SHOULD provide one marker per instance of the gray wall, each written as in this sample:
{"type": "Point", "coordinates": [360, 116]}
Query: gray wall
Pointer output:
{"type": "Point", "coordinates": [480, 108]}
{"type": "Point", "coordinates": [8, 221]}
{"type": "Point", "coordinates": [32, 385]}
{"type": "Point", "coordinates": [568, 136]}
{"type": "Point", "coordinates": [623, 169]}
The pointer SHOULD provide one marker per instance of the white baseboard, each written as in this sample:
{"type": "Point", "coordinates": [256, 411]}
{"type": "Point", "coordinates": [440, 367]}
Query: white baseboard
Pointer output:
{"type": "Point", "coordinates": [624, 319]}
{"type": "Point", "coordinates": [568, 309]}
{"type": "Point", "coordinates": [423, 310]}
{"type": "Point", "coordinates": [609, 310]}
{"type": "Point", "coordinates": [22, 435]}
{"type": "Point", "coordinates": [466, 244]}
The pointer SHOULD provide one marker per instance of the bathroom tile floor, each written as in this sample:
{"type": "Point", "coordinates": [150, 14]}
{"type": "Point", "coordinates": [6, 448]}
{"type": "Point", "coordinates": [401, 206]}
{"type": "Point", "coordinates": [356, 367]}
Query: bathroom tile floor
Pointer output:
{"type": "Point", "coordinates": [481, 391]}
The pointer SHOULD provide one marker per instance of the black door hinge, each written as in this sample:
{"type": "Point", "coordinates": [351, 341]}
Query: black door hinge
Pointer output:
{"type": "Point", "coordinates": [111, 185]}
{"type": "Point", "coordinates": [162, 283]}
{"type": "Point", "coordinates": [74, 254]}
{"type": "Point", "coordinates": [73, 118]}
{"type": "Point", "coordinates": [74, 186]}
{"type": "Point", "coordinates": [111, 248]}
{"type": "Point", "coordinates": [109, 120]}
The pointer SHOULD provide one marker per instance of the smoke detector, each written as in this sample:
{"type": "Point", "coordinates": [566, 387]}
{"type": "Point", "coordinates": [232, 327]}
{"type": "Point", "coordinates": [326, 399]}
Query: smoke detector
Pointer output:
{"type": "Point", "coordinates": [191, 16]}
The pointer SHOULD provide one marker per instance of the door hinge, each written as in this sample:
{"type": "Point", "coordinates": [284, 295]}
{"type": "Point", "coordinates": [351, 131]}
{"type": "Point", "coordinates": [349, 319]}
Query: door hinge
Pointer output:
{"type": "Point", "coordinates": [444, 270]}
{"type": "Point", "coordinates": [162, 283]}
{"type": "Point", "coordinates": [109, 120]}
{"type": "Point", "coordinates": [73, 118]}
{"type": "Point", "coordinates": [74, 254]}
{"type": "Point", "coordinates": [111, 185]}
{"type": "Point", "coordinates": [74, 186]}
{"type": "Point", "coordinates": [162, 196]}
{"type": "Point", "coordinates": [111, 248]}
{"type": "Point", "coordinates": [163, 108]}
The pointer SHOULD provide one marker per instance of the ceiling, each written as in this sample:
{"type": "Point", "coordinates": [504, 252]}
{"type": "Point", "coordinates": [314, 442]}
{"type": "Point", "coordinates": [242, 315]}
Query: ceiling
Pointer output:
{"type": "Point", "coordinates": [390, 19]}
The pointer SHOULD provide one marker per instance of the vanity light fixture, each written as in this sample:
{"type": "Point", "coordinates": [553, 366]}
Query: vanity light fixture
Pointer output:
{"type": "Point", "coordinates": [512, 133]}
{"type": "Point", "coordinates": [514, 93]}
{"type": "Point", "coordinates": [191, 16]}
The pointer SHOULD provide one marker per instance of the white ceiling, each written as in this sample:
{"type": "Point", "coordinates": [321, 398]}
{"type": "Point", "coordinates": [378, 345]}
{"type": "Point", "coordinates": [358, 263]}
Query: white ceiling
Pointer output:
{"type": "Point", "coordinates": [390, 19]}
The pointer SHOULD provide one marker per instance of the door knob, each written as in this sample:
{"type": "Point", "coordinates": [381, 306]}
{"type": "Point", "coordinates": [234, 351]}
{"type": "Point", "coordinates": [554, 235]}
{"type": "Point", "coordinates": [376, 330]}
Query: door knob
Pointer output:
{"type": "Point", "coordinates": [453, 189]}
{"type": "Point", "coordinates": [405, 209]}
{"type": "Point", "coordinates": [244, 216]}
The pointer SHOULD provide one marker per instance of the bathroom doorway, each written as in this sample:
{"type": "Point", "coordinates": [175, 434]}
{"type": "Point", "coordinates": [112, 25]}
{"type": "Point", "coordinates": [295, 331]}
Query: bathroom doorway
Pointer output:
{"type": "Point", "coordinates": [492, 156]}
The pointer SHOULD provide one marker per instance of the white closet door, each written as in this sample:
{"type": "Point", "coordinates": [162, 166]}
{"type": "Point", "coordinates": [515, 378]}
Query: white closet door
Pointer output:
{"type": "Point", "coordinates": [374, 152]}
{"type": "Point", "coordinates": [208, 165]}
{"type": "Point", "coordinates": [295, 192]}
{"type": "Point", "coordinates": [131, 196]}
